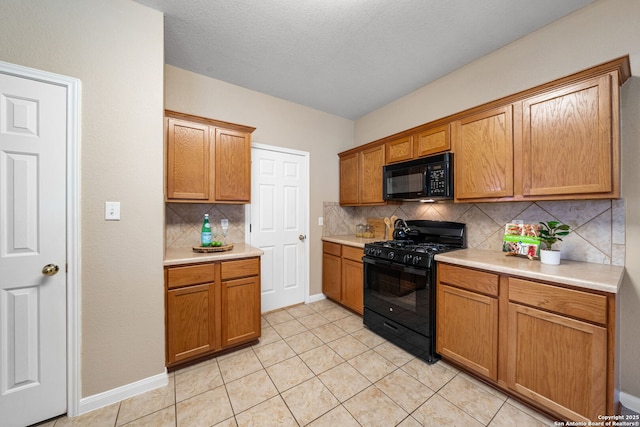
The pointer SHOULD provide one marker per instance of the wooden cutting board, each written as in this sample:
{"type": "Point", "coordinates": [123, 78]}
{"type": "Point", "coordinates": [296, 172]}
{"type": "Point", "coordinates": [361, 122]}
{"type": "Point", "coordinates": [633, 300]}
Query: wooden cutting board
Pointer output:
{"type": "Point", "coordinates": [378, 227]}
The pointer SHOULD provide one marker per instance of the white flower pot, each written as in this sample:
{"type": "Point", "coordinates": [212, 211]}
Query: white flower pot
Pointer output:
{"type": "Point", "coordinates": [549, 257]}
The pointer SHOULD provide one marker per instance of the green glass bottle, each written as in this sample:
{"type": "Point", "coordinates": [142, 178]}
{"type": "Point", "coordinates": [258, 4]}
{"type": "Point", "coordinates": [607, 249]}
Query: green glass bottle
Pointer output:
{"type": "Point", "coordinates": [205, 235]}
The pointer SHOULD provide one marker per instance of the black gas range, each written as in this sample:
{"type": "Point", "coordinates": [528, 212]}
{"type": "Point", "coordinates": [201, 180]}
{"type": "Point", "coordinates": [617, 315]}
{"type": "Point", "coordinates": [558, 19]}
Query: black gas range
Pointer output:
{"type": "Point", "coordinates": [400, 283]}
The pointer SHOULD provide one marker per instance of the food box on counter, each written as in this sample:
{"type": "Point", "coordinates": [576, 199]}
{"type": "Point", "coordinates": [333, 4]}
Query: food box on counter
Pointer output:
{"type": "Point", "coordinates": [522, 239]}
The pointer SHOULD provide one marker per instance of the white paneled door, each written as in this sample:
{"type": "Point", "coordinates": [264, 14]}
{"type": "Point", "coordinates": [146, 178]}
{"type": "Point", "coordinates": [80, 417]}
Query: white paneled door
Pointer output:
{"type": "Point", "coordinates": [32, 250]}
{"type": "Point", "coordinates": [279, 223]}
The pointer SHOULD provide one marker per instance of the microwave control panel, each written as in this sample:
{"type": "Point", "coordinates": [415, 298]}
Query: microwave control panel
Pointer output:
{"type": "Point", "coordinates": [437, 176]}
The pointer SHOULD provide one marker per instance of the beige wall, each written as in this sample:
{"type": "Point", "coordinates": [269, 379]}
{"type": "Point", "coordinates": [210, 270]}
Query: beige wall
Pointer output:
{"type": "Point", "coordinates": [279, 123]}
{"type": "Point", "coordinates": [597, 33]}
{"type": "Point", "coordinates": [116, 49]}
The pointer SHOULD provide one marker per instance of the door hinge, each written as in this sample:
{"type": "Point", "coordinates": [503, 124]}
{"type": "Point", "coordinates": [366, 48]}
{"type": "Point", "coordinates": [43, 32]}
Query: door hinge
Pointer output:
{"type": "Point", "coordinates": [249, 228]}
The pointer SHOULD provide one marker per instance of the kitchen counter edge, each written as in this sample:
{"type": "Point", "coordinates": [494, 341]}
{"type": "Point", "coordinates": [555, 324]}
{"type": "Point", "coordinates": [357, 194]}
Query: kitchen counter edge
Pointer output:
{"type": "Point", "coordinates": [351, 240]}
{"type": "Point", "coordinates": [599, 277]}
{"type": "Point", "coordinates": [178, 256]}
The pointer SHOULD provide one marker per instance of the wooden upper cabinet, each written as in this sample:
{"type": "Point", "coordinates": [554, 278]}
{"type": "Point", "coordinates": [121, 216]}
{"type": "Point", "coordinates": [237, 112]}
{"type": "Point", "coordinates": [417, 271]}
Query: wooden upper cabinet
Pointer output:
{"type": "Point", "coordinates": [233, 166]}
{"type": "Point", "coordinates": [372, 161]}
{"type": "Point", "coordinates": [399, 150]}
{"type": "Point", "coordinates": [188, 160]}
{"type": "Point", "coordinates": [483, 147]}
{"type": "Point", "coordinates": [361, 176]}
{"type": "Point", "coordinates": [556, 141]}
{"type": "Point", "coordinates": [432, 141]}
{"type": "Point", "coordinates": [423, 143]}
{"type": "Point", "coordinates": [207, 161]}
{"type": "Point", "coordinates": [568, 145]}
{"type": "Point", "coordinates": [349, 173]}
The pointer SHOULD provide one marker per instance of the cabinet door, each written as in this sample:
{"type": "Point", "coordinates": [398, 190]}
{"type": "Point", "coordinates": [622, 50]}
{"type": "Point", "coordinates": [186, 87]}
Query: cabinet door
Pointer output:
{"type": "Point", "coordinates": [483, 145]}
{"type": "Point", "coordinates": [352, 285]}
{"type": "Point", "coordinates": [240, 311]}
{"type": "Point", "coordinates": [371, 175]}
{"type": "Point", "coordinates": [399, 150]}
{"type": "Point", "coordinates": [558, 362]}
{"type": "Point", "coordinates": [349, 173]}
{"type": "Point", "coordinates": [190, 322]}
{"type": "Point", "coordinates": [232, 166]}
{"type": "Point", "coordinates": [432, 141]}
{"type": "Point", "coordinates": [331, 276]}
{"type": "Point", "coordinates": [467, 329]}
{"type": "Point", "coordinates": [567, 145]}
{"type": "Point", "coordinates": [188, 160]}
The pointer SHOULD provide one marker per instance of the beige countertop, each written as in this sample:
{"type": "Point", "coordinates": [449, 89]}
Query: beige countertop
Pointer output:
{"type": "Point", "coordinates": [351, 240]}
{"type": "Point", "coordinates": [600, 277]}
{"type": "Point", "coordinates": [176, 256]}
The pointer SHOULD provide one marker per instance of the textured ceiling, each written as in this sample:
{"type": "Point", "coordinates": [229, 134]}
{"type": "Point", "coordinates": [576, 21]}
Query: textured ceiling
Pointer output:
{"type": "Point", "coordinates": [344, 57]}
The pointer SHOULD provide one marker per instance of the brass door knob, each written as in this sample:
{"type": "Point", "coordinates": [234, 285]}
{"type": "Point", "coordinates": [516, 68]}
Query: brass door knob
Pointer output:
{"type": "Point", "coordinates": [50, 269]}
{"type": "Point", "coordinates": [302, 237]}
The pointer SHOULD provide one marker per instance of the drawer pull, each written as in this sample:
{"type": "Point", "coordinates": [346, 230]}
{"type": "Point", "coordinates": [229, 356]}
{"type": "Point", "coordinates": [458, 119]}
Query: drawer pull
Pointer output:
{"type": "Point", "coordinates": [393, 328]}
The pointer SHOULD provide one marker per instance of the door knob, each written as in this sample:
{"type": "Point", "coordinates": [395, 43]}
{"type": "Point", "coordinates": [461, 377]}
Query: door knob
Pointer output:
{"type": "Point", "coordinates": [302, 237]}
{"type": "Point", "coordinates": [50, 269]}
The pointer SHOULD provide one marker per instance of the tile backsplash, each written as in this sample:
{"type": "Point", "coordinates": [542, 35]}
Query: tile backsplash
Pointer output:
{"type": "Point", "coordinates": [184, 222]}
{"type": "Point", "coordinates": [598, 226]}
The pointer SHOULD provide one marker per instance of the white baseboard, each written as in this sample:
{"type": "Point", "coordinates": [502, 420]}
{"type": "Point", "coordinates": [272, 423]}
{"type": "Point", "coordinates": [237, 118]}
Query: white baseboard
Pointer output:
{"type": "Point", "coordinates": [100, 400]}
{"type": "Point", "coordinates": [630, 401]}
{"type": "Point", "coordinates": [316, 297]}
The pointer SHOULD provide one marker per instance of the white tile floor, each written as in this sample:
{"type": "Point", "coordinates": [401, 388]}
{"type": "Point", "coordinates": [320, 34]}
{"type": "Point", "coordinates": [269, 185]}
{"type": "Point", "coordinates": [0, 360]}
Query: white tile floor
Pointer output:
{"type": "Point", "coordinates": [316, 365]}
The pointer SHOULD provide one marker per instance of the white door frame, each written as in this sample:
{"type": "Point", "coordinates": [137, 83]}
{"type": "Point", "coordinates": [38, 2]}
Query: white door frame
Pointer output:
{"type": "Point", "coordinates": [73, 87]}
{"type": "Point", "coordinates": [247, 209]}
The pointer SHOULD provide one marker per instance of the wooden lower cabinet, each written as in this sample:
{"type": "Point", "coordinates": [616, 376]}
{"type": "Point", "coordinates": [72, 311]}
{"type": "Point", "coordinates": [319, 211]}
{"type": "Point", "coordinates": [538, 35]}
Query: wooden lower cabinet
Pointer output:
{"type": "Point", "coordinates": [352, 285]}
{"type": "Point", "coordinates": [332, 276]}
{"type": "Point", "coordinates": [342, 275]}
{"type": "Point", "coordinates": [210, 307]}
{"type": "Point", "coordinates": [558, 362]}
{"type": "Point", "coordinates": [549, 345]}
{"type": "Point", "coordinates": [191, 331]}
{"type": "Point", "coordinates": [240, 310]}
{"type": "Point", "coordinates": [460, 309]}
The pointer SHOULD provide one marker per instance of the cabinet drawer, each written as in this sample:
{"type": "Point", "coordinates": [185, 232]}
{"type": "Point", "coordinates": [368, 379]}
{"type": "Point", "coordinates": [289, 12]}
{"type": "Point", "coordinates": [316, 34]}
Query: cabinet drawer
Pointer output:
{"type": "Point", "coordinates": [352, 253]}
{"type": "Point", "coordinates": [332, 248]}
{"type": "Point", "coordinates": [240, 268]}
{"type": "Point", "coordinates": [473, 280]}
{"type": "Point", "coordinates": [190, 275]}
{"type": "Point", "coordinates": [570, 302]}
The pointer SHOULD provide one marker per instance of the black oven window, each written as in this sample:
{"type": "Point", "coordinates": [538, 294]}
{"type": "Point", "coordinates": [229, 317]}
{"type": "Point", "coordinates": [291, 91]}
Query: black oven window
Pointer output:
{"type": "Point", "coordinates": [397, 288]}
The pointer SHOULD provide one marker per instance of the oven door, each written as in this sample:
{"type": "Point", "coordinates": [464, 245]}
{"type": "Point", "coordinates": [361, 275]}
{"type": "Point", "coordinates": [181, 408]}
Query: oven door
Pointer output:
{"type": "Point", "coordinates": [400, 293]}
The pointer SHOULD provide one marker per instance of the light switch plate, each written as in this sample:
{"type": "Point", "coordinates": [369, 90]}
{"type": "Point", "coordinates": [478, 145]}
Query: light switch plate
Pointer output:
{"type": "Point", "coordinates": [112, 211]}
{"type": "Point", "coordinates": [224, 223]}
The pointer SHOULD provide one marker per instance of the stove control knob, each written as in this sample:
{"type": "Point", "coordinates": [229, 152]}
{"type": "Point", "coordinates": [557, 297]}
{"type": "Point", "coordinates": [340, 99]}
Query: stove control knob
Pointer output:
{"type": "Point", "coordinates": [378, 252]}
{"type": "Point", "coordinates": [391, 254]}
{"type": "Point", "coordinates": [407, 259]}
{"type": "Point", "coordinates": [417, 259]}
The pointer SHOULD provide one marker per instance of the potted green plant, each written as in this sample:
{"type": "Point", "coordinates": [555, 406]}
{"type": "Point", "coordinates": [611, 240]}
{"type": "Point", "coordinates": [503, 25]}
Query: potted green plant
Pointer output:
{"type": "Point", "coordinates": [550, 233]}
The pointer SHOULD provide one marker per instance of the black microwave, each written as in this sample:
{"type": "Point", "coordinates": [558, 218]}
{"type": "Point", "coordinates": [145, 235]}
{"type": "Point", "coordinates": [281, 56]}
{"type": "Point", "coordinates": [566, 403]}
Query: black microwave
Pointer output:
{"type": "Point", "coordinates": [428, 178]}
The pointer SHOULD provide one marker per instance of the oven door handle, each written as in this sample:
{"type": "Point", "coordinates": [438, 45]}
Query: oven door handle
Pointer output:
{"type": "Point", "coordinates": [394, 266]}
